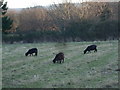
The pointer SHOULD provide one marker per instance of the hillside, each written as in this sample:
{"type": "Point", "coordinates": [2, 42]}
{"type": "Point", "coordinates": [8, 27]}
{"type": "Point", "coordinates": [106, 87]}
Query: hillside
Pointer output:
{"type": "Point", "coordinates": [92, 70]}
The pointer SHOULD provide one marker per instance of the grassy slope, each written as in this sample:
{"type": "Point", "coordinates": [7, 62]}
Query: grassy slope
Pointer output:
{"type": "Point", "coordinates": [93, 70]}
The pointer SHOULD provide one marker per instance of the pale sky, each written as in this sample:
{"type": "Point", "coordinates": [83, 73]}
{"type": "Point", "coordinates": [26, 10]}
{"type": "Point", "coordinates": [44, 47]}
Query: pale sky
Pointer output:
{"type": "Point", "coordinates": [31, 3]}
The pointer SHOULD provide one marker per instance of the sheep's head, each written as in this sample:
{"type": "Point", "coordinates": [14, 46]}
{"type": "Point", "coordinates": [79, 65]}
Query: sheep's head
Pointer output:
{"type": "Point", "coordinates": [85, 51]}
{"type": "Point", "coordinates": [26, 54]}
{"type": "Point", "coordinates": [54, 61]}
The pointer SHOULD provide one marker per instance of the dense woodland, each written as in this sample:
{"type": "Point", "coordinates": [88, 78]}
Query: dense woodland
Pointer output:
{"type": "Point", "coordinates": [65, 22]}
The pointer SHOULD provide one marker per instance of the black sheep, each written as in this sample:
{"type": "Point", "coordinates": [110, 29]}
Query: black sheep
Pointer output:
{"type": "Point", "coordinates": [90, 48]}
{"type": "Point", "coordinates": [59, 57]}
{"type": "Point", "coordinates": [31, 51]}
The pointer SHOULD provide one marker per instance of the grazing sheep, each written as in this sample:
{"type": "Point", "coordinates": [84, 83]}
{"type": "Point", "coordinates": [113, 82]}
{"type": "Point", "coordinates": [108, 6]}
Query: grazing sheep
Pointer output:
{"type": "Point", "coordinates": [31, 51]}
{"type": "Point", "coordinates": [59, 57]}
{"type": "Point", "coordinates": [91, 47]}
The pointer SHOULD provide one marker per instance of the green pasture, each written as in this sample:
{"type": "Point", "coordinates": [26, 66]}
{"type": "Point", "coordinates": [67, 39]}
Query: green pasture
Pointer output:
{"type": "Point", "coordinates": [91, 70]}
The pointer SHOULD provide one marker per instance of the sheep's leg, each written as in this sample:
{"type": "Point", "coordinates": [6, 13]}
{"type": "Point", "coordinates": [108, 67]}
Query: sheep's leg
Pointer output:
{"type": "Point", "coordinates": [95, 50]}
{"type": "Point", "coordinates": [35, 54]}
{"type": "Point", "coordinates": [60, 61]}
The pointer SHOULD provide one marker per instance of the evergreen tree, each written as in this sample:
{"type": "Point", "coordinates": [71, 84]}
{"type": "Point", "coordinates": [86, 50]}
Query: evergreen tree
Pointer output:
{"type": "Point", "coordinates": [6, 21]}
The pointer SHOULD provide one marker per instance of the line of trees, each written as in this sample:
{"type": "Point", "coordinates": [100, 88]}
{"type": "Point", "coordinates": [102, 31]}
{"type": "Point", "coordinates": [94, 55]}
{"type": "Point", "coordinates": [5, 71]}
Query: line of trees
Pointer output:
{"type": "Point", "coordinates": [65, 22]}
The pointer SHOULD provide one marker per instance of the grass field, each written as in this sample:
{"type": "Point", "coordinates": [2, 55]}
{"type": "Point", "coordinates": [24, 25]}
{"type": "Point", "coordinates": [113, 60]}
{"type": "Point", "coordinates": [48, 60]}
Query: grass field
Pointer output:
{"type": "Point", "coordinates": [92, 70]}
